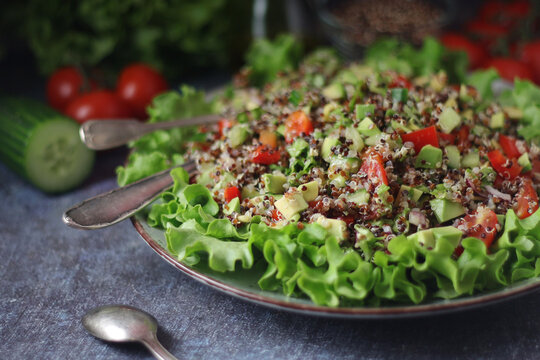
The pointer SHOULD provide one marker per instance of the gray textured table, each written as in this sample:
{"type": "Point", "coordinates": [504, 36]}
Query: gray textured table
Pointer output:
{"type": "Point", "coordinates": [51, 274]}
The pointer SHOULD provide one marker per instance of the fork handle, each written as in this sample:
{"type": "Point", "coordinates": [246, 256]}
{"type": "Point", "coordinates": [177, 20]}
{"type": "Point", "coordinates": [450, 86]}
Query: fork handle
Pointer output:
{"type": "Point", "coordinates": [118, 204]}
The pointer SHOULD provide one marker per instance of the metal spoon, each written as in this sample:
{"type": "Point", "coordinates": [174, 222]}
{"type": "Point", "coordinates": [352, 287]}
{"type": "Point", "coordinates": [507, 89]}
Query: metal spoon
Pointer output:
{"type": "Point", "coordinates": [110, 133]}
{"type": "Point", "coordinates": [118, 204]}
{"type": "Point", "coordinates": [122, 323]}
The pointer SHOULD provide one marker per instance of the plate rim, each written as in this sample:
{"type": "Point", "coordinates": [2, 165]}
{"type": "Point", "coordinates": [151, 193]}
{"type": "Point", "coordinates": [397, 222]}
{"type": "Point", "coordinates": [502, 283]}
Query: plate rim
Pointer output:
{"type": "Point", "coordinates": [444, 306]}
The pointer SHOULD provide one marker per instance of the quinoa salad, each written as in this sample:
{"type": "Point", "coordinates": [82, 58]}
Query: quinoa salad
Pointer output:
{"type": "Point", "coordinates": [354, 187]}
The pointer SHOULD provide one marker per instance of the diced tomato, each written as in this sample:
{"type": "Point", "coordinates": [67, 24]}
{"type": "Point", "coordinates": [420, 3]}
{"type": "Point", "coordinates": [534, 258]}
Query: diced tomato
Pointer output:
{"type": "Point", "coordinates": [276, 215]}
{"type": "Point", "coordinates": [265, 155]}
{"type": "Point", "coordinates": [507, 168]}
{"type": "Point", "coordinates": [489, 10]}
{"type": "Point", "coordinates": [372, 165]}
{"type": "Point", "coordinates": [297, 123]}
{"type": "Point", "coordinates": [400, 81]}
{"type": "Point", "coordinates": [484, 29]}
{"type": "Point", "coordinates": [268, 138]}
{"type": "Point", "coordinates": [509, 146]}
{"type": "Point", "coordinates": [462, 137]}
{"type": "Point", "coordinates": [510, 69]}
{"type": "Point", "coordinates": [422, 137]}
{"type": "Point", "coordinates": [526, 202]}
{"type": "Point", "coordinates": [448, 138]}
{"type": "Point", "coordinates": [480, 224]}
{"type": "Point", "coordinates": [517, 9]}
{"type": "Point", "coordinates": [475, 53]}
{"type": "Point", "coordinates": [231, 193]}
{"type": "Point", "coordinates": [224, 124]}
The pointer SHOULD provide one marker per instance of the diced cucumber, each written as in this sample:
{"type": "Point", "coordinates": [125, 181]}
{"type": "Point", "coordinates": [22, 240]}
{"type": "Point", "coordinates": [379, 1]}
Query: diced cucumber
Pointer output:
{"type": "Point", "coordinates": [454, 157]}
{"type": "Point", "coordinates": [42, 145]}
{"type": "Point", "coordinates": [470, 160]}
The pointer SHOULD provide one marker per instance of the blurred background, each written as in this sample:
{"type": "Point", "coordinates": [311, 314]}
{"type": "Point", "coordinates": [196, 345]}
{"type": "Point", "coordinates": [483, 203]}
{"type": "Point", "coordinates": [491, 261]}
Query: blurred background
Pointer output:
{"type": "Point", "coordinates": [187, 39]}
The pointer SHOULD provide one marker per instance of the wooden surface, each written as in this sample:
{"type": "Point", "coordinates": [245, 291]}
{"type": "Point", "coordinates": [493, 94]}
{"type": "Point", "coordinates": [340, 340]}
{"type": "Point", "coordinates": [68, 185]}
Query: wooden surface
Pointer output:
{"type": "Point", "coordinates": [50, 275]}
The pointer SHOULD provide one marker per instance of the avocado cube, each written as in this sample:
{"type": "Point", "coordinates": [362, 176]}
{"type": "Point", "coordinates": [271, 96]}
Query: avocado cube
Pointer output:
{"type": "Point", "coordinates": [445, 210]}
{"type": "Point", "coordinates": [448, 233]}
{"type": "Point", "coordinates": [497, 121]}
{"type": "Point", "coordinates": [327, 110]}
{"type": "Point", "coordinates": [449, 120]}
{"type": "Point", "coordinates": [424, 238]}
{"type": "Point", "coordinates": [226, 179]}
{"type": "Point", "coordinates": [364, 110]}
{"type": "Point", "coordinates": [334, 91]}
{"type": "Point", "coordinates": [410, 192]}
{"type": "Point", "coordinates": [273, 183]}
{"type": "Point", "coordinates": [249, 191]}
{"type": "Point", "coordinates": [327, 145]}
{"type": "Point", "coordinates": [232, 206]}
{"type": "Point", "coordinates": [335, 227]}
{"type": "Point", "coordinates": [454, 156]}
{"type": "Point", "coordinates": [525, 162]}
{"type": "Point", "coordinates": [237, 135]}
{"type": "Point", "coordinates": [368, 128]}
{"type": "Point", "coordinates": [309, 190]}
{"type": "Point", "coordinates": [360, 197]}
{"type": "Point", "coordinates": [470, 160]}
{"type": "Point", "coordinates": [429, 157]}
{"type": "Point", "coordinates": [291, 204]}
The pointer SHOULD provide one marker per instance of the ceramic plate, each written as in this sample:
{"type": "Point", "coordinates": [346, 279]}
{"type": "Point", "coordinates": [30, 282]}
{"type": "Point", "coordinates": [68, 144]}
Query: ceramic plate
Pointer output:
{"type": "Point", "coordinates": [243, 284]}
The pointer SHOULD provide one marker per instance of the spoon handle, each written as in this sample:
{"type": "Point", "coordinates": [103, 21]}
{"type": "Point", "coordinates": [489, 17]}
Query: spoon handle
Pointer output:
{"type": "Point", "coordinates": [157, 349]}
{"type": "Point", "coordinates": [118, 204]}
{"type": "Point", "coordinates": [110, 133]}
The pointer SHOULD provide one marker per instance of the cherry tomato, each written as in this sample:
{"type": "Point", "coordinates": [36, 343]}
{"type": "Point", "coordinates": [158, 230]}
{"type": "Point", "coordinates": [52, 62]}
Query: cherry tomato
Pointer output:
{"type": "Point", "coordinates": [269, 138]}
{"type": "Point", "coordinates": [480, 224]}
{"type": "Point", "coordinates": [422, 137]}
{"type": "Point", "coordinates": [231, 192]}
{"type": "Point", "coordinates": [475, 53]}
{"type": "Point", "coordinates": [372, 165]}
{"type": "Point", "coordinates": [400, 81]}
{"type": "Point", "coordinates": [265, 155]}
{"type": "Point", "coordinates": [526, 202]}
{"type": "Point", "coordinates": [530, 54]}
{"type": "Point", "coordinates": [137, 85]}
{"type": "Point", "coordinates": [64, 86]}
{"type": "Point", "coordinates": [507, 168]}
{"type": "Point", "coordinates": [101, 104]}
{"type": "Point", "coordinates": [510, 69]}
{"type": "Point", "coordinates": [297, 123]}
{"type": "Point", "coordinates": [509, 146]}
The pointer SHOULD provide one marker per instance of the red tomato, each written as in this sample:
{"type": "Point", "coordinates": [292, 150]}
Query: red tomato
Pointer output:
{"type": "Point", "coordinates": [231, 193]}
{"type": "Point", "coordinates": [64, 86]}
{"type": "Point", "coordinates": [475, 53]}
{"type": "Point", "coordinates": [101, 104]}
{"type": "Point", "coordinates": [137, 85]}
{"type": "Point", "coordinates": [517, 9]}
{"type": "Point", "coordinates": [224, 124]}
{"type": "Point", "coordinates": [480, 224]}
{"type": "Point", "coordinates": [422, 137]}
{"type": "Point", "coordinates": [507, 168]}
{"type": "Point", "coordinates": [448, 138]}
{"type": "Point", "coordinates": [462, 136]}
{"type": "Point", "coordinates": [486, 30]}
{"type": "Point", "coordinates": [400, 81]}
{"type": "Point", "coordinates": [276, 215]}
{"type": "Point", "coordinates": [526, 202]}
{"type": "Point", "coordinates": [373, 166]}
{"type": "Point", "coordinates": [509, 146]}
{"type": "Point", "coordinates": [530, 54]}
{"type": "Point", "coordinates": [297, 123]}
{"type": "Point", "coordinates": [348, 219]}
{"type": "Point", "coordinates": [265, 155]}
{"type": "Point", "coordinates": [490, 10]}
{"type": "Point", "coordinates": [510, 69]}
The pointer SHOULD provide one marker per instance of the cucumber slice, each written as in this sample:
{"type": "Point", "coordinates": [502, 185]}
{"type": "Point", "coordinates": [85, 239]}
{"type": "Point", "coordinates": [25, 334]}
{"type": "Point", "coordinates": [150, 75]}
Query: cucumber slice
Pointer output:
{"type": "Point", "coordinates": [42, 145]}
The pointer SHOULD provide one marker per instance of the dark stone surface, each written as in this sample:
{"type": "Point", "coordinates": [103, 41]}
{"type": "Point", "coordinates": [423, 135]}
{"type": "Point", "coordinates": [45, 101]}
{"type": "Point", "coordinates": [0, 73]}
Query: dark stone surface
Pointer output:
{"type": "Point", "coordinates": [50, 275]}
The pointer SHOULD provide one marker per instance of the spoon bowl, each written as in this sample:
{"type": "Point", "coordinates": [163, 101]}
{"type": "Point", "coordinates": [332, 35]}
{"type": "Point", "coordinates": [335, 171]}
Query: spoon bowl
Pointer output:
{"type": "Point", "coordinates": [123, 323]}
